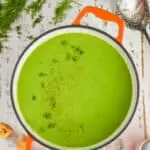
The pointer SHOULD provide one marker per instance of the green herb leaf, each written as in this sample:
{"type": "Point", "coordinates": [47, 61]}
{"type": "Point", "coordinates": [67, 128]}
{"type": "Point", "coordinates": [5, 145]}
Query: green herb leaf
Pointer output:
{"type": "Point", "coordinates": [37, 20]}
{"type": "Point", "coordinates": [35, 7]}
{"type": "Point", "coordinates": [9, 12]}
{"type": "Point", "coordinates": [33, 97]}
{"type": "Point", "coordinates": [31, 37]}
{"type": "Point", "coordinates": [42, 74]}
{"type": "Point", "coordinates": [47, 115]}
{"type": "Point", "coordinates": [18, 29]}
{"type": "Point", "coordinates": [60, 10]}
{"type": "Point", "coordinates": [51, 125]}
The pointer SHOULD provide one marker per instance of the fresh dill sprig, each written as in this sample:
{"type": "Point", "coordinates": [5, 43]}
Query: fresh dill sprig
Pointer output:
{"type": "Point", "coordinates": [35, 7]}
{"type": "Point", "coordinates": [9, 12]}
{"type": "Point", "coordinates": [60, 10]}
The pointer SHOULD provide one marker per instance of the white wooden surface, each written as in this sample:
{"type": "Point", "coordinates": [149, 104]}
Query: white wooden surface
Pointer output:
{"type": "Point", "coordinates": [134, 42]}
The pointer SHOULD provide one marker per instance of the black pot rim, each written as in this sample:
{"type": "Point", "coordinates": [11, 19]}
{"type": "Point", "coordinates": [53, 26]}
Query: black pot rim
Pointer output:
{"type": "Point", "coordinates": [84, 27]}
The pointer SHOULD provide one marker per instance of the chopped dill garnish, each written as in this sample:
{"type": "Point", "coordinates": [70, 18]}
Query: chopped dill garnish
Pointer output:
{"type": "Point", "coordinates": [31, 37]}
{"type": "Point", "coordinates": [54, 61]}
{"type": "Point", "coordinates": [42, 129]}
{"type": "Point", "coordinates": [33, 97]}
{"type": "Point", "coordinates": [35, 7]}
{"type": "Point", "coordinates": [1, 46]}
{"type": "Point", "coordinates": [37, 20]}
{"type": "Point", "coordinates": [42, 84]}
{"type": "Point", "coordinates": [64, 42]}
{"type": "Point", "coordinates": [75, 58]}
{"type": "Point", "coordinates": [42, 74]}
{"type": "Point", "coordinates": [60, 10]}
{"type": "Point", "coordinates": [47, 115]}
{"type": "Point", "coordinates": [51, 125]}
{"type": "Point", "coordinates": [18, 30]}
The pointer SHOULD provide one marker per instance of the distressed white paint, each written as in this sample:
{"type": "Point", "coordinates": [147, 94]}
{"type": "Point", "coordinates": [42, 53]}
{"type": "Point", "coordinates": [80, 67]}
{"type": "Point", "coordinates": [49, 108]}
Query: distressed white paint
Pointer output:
{"type": "Point", "coordinates": [134, 134]}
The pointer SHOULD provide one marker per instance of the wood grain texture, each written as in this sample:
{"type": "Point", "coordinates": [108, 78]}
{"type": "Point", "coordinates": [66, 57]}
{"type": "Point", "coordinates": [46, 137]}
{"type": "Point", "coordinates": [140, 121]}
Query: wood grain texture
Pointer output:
{"type": "Point", "coordinates": [137, 47]}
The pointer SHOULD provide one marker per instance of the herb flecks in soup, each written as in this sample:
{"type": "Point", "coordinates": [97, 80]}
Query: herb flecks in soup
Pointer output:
{"type": "Point", "coordinates": [74, 90]}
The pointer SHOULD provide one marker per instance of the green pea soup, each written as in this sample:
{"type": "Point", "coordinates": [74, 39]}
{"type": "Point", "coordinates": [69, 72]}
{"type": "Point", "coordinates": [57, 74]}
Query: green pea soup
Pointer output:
{"type": "Point", "coordinates": [74, 90]}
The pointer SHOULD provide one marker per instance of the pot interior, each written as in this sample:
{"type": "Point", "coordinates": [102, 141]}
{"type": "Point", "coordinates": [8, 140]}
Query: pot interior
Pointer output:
{"type": "Point", "coordinates": [75, 87]}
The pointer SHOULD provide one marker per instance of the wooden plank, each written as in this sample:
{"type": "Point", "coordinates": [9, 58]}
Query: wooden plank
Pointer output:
{"type": "Point", "coordinates": [137, 130]}
{"type": "Point", "coordinates": [146, 56]}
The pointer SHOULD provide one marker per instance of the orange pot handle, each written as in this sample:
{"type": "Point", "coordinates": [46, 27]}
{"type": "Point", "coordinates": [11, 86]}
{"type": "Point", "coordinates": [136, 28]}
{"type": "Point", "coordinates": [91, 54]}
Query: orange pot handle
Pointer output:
{"type": "Point", "coordinates": [105, 15]}
{"type": "Point", "coordinates": [29, 142]}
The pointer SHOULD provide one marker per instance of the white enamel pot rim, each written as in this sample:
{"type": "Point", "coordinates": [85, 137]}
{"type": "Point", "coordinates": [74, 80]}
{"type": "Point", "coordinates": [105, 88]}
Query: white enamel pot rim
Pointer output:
{"type": "Point", "coordinates": [76, 29]}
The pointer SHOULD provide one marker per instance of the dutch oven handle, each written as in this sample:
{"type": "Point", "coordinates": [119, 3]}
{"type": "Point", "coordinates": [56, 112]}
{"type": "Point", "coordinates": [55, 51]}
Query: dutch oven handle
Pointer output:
{"type": "Point", "coordinates": [29, 141]}
{"type": "Point", "coordinates": [105, 15]}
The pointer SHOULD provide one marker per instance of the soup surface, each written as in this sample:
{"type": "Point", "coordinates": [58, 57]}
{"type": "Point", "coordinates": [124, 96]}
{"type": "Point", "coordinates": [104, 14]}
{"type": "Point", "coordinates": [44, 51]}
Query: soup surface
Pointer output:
{"type": "Point", "coordinates": [74, 90]}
